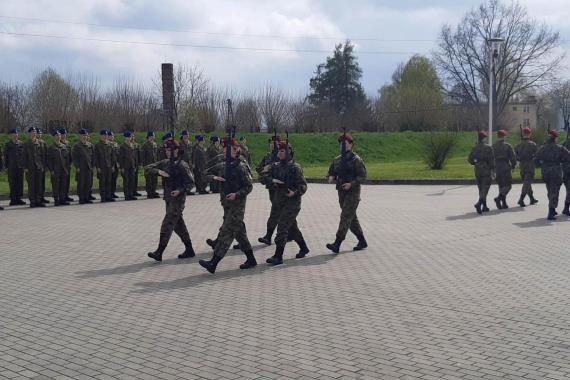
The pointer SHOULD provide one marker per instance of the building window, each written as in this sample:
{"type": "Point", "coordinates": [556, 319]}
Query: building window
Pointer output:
{"type": "Point", "coordinates": [514, 108]}
{"type": "Point", "coordinates": [526, 122]}
{"type": "Point", "coordinates": [526, 109]}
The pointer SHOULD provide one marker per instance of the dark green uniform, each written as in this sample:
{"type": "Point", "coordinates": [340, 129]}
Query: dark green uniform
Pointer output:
{"type": "Point", "coordinates": [264, 166]}
{"type": "Point", "coordinates": [150, 156]}
{"type": "Point", "coordinates": [14, 163]}
{"type": "Point", "coordinates": [186, 147]}
{"type": "Point", "coordinates": [138, 161]}
{"type": "Point", "coordinates": [483, 159]}
{"type": "Point", "coordinates": [180, 179]}
{"type": "Point", "coordinates": [115, 174]}
{"type": "Point", "coordinates": [103, 160]}
{"type": "Point", "coordinates": [505, 163]}
{"type": "Point", "coordinates": [352, 171]}
{"type": "Point", "coordinates": [58, 159]}
{"type": "Point", "coordinates": [83, 161]}
{"type": "Point", "coordinates": [127, 162]}
{"type": "Point", "coordinates": [44, 154]}
{"type": "Point", "coordinates": [200, 161]}
{"type": "Point", "coordinates": [34, 166]}
{"type": "Point", "coordinates": [67, 144]}
{"type": "Point", "coordinates": [212, 154]}
{"type": "Point", "coordinates": [525, 152]}
{"type": "Point", "coordinates": [245, 153]}
{"type": "Point", "coordinates": [550, 158]}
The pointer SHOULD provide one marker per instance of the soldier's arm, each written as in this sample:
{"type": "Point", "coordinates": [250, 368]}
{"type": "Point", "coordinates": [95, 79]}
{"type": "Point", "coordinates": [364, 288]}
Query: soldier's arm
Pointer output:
{"type": "Point", "coordinates": [512, 158]}
{"type": "Point", "coordinates": [188, 177]}
{"type": "Point", "coordinates": [246, 181]}
{"type": "Point", "coordinates": [471, 159]}
{"type": "Point", "coordinates": [75, 155]}
{"type": "Point", "coordinates": [565, 155]}
{"type": "Point", "coordinates": [538, 158]}
{"type": "Point", "coordinates": [360, 175]}
{"type": "Point", "coordinates": [154, 167]}
{"type": "Point", "coordinates": [300, 181]}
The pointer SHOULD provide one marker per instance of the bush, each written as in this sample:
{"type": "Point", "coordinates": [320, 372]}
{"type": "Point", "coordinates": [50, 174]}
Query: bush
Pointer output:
{"type": "Point", "coordinates": [438, 148]}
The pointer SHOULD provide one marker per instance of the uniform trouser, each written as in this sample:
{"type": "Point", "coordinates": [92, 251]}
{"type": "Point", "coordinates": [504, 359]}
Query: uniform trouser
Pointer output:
{"type": "Point", "coordinates": [566, 180]}
{"type": "Point", "coordinates": [553, 189]}
{"type": "Point", "coordinates": [174, 222]}
{"type": "Point", "coordinates": [16, 182]}
{"type": "Point", "coordinates": [128, 182]}
{"type": "Point", "coordinates": [105, 176]}
{"type": "Point", "coordinates": [504, 181]}
{"type": "Point", "coordinates": [483, 184]}
{"type": "Point", "coordinates": [67, 183]}
{"type": "Point", "coordinates": [287, 222]}
{"type": "Point", "coordinates": [84, 183]}
{"type": "Point", "coordinates": [34, 177]}
{"type": "Point", "coordinates": [348, 201]}
{"type": "Point", "coordinates": [200, 183]}
{"type": "Point", "coordinates": [59, 185]}
{"type": "Point", "coordinates": [136, 180]}
{"type": "Point", "coordinates": [274, 213]}
{"type": "Point", "coordinates": [214, 186]}
{"type": "Point", "coordinates": [527, 176]}
{"type": "Point", "coordinates": [151, 181]}
{"type": "Point", "coordinates": [232, 228]}
{"type": "Point", "coordinates": [42, 185]}
{"type": "Point", "coordinates": [113, 184]}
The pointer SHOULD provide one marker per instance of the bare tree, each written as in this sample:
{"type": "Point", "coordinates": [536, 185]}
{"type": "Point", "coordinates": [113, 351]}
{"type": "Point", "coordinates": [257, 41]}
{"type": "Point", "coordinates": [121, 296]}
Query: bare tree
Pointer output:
{"type": "Point", "coordinates": [561, 97]}
{"type": "Point", "coordinates": [247, 114]}
{"type": "Point", "coordinates": [53, 98]}
{"type": "Point", "coordinates": [527, 58]}
{"type": "Point", "coordinates": [273, 105]}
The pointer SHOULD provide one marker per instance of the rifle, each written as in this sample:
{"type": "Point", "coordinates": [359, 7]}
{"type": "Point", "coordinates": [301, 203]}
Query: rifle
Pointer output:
{"type": "Point", "coordinates": [231, 131]}
{"type": "Point", "coordinates": [287, 158]}
{"type": "Point", "coordinates": [275, 146]}
{"type": "Point", "coordinates": [520, 128]}
{"type": "Point", "coordinates": [344, 173]}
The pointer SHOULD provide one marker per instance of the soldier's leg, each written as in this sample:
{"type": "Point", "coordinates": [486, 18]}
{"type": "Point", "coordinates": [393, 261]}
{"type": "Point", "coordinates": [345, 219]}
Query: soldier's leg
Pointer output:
{"type": "Point", "coordinates": [173, 213]}
{"type": "Point", "coordinates": [349, 204]}
{"type": "Point", "coordinates": [148, 186]}
{"type": "Point", "coordinates": [136, 182]}
{"type": "Point", "coordinates": [42, 184]}
{"type": "Point", "coordinates": [12, 183]}
{"type": "Point", "coordinates": [30, 180]}
{"type": "Point", "coordinates": [271, 223]}
{"type": "Point", "coordinates": [295, 234]}
{"type": "Point", "coordinates": [344, 224]}
{"type": "Point", "coordinates": [126, 174]}
{"type": "Point", "coordinates": [287, 218]}
{"type": "Point", "coordinates": [63, 194]}
{"type": "Point", "coordinates": [19, 184]}
{"type": "Point", "coordinates": [55, 188]}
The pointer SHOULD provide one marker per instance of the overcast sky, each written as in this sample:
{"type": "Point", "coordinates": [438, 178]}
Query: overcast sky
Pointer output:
{"type": "Point", "coordinates": [385, 32]}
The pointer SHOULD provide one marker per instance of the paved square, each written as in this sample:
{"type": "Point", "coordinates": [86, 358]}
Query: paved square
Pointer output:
{"type": "Point", "coordinates": [441, 293]}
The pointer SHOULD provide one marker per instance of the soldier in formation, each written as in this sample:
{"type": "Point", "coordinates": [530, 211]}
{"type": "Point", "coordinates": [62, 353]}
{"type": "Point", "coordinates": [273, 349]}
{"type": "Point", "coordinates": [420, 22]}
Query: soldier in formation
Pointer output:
{"type": "Point", "coordinates": [138, 161]}
{"type": "Point", "coordinates": [150, 156]}
{"type": "Point", "coordinates": [263, 167]}
{"type": "Point", "coordinates": [14, 163]}
{"type": "Point", "coordinates": [525, 152]}
{"type": "Point", "coordinates": [199, 158]}
{"type": "Point", "coordinates": [59, 165]}
{"type": "Point", "coordinates": [63, 132]}
{"type": "Point", "coordinates": [505, 163]}
{"type": "Point", "coordinates": [33, 167]}
{"type": "Point", "coordinates": [178, 179]}
{"type": "Point", "coordinates": [43, 153]}
{"type": "Point", "coordinates": [483, 159]}
{"type": "Point", "coordinates": [214, 150]}
{"type": "Point", "coordinates": [83, 156]}
{"type": "Point", "coordinates": [115, 161]}
{"type": "Point", "coordinates": [104, 163]}
{"type": "Point", "coordinates": [127, 162]}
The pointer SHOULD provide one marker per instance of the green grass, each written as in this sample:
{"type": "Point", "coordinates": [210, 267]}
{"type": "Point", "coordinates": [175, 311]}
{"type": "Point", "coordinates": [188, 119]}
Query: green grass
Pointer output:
{"type": "Point", "coordinates": [387, 155]}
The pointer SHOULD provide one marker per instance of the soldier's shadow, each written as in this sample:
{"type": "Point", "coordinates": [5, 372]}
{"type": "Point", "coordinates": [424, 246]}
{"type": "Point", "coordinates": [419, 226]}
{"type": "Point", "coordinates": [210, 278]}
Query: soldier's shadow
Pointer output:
{"type": "Point", "coordinates": [204, 278]}
{"type": "Point", "coordinates": [541, 222]}
{"type": "Point", "coordinates": [150, 263]}
{"type": "Point", "coordinates": [474, 215]}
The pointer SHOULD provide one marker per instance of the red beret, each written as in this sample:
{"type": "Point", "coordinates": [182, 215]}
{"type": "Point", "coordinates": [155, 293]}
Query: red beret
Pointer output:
{"type": "Point", "coordinates": [527, 131]}
{"type": "Point", "coordinates": [274, 138]}
{"type": "Point", "coordinates": [231, 141]}
{"type": "Point", "coordinates": [553, 133]}
{"type": "Point", "coordinates": [347, 137]}
{"type": "Point", "coordinates": [502, 133]}
{"type": "Point", "coordinates": [482, 134]}
{"type": "Point", "coordinates": [172, 144]}
{"type": "Point", "coordinates": [283, 144]}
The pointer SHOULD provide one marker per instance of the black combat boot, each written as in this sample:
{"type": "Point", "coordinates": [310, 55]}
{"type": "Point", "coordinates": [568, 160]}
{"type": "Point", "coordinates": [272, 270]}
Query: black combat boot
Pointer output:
{"type": "Point", "coordinates": [157, 255]}
{"type": "Point", "coordinates": [188, 251]}
{"type": "Point", "coordinates": [551, 213]}
{"type": "Point", "coordinates": [335, 247]}
{"type": "Point", "coordinates": [92, 198]}
{"type": "Point", "coordinates": [250, 261]}
{"type": "Point", "coordinates": [45, 201]}
{"type": "Point", "coordinates": [20, 202]}
{"type": "Point", "coordinates": [210, 265]}
{"type": "Point", "coordinates": [498, 202]}
{"type": "Point", "coordinates": [521, 201]}
{"type": "Point", "coordinates": [478, 207]}
{"type": "Point", "coordinates": [267, 238]}
{"type": "Point", "coordinates": [484, 207]}
{"type": "Point", "coordinates": [236, 246]}
{"type": "Point", "coordinates": [504, 201]}
{"type": "Point", "coordinates": [277, 258]}
{"type": "Point", "coordinates": [212, 243]}
{"type": "Point", "coordinates": [362, 244]}
{"type": "Point", "coordinates": [137, 194]}
{"type": "Point", "coordinates": [303, 249]}
{"type": "Point", "coordinates": [533, 201]}
{"type": "Point", "coordinates": [69, 199]}
{"type": "Point", "coordinates": [566, 210]}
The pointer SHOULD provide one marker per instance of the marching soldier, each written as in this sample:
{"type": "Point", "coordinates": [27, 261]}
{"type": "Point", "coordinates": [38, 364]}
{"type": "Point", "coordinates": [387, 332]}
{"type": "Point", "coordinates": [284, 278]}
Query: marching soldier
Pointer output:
{"type": "Point", "coordinates": [287, 176]}
{"type": "Point", "coordinates": [505, 163]}
{"type": "Point", "coordinates": [14, 162]}
{"type": "Point", "coordinates": [236, 184]}
{"type": "Point", "coordinates": [525, 152]}
{"type": "Point", "coordinates": [83, 161]}
{"type": "Point", "coordinates": [138, 160]}
{"type": "Point", "coordinates": [187, 148]}
{"type": "Point", "coordinates": [261, 169]}
{"type": "Point", "coordinates": [126, 162]}
{"type": "Point", "coordinates": [200, 159]}
{"type": "Point", "coordinates": [150, 156]}
{"type": "Point", "coordinates": [57, 162]}
{"type": "Point", "coordinates": [566, 177]}
{"type": "Point", "coordinates": [114, 158]}
{"type": "Point", "coordinates": [43, 152]}
{"type": "Point", "coordinates": [550, 158]}
{"type": "Point", "coordinates": [103, 159]}
{"type": "Point", "coordinates": [245, 153]}
{"type": "Point", "coordinates": [212, 153]}
{"type": "Point", "coordinates": [483, 159]}
{"type": "Point", "coordinates": [63, 132]}
{"type": "Point", "coordinates": [178, 179]}
{"type": "Point", "coordinates": [34, 167]}
{"type": "Point", "coordinates": [348, 172]}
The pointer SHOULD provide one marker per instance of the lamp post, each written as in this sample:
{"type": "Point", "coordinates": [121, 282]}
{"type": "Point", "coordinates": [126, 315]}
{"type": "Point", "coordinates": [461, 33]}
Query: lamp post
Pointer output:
{"type": "Point", "coordinates": [494, 46]}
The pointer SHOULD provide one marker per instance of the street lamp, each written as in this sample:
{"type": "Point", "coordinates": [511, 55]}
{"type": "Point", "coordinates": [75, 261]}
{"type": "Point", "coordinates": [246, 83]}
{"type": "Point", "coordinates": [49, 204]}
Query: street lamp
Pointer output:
{"type": "Point", "coordinates": [494, 53]}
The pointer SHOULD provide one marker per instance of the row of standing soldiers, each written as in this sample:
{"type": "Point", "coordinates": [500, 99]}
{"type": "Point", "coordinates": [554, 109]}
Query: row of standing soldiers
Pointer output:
{"type": "Point", "coordinates": [34, 158]}
{"type": "Point", "coordinates": [286, 185]}
{"type": "Point", "coordinates": [501, 159]}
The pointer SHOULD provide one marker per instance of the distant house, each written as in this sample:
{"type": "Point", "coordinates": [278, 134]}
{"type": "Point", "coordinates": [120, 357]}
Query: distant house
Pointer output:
{"type": "Point", "coordinates": [520, 113]}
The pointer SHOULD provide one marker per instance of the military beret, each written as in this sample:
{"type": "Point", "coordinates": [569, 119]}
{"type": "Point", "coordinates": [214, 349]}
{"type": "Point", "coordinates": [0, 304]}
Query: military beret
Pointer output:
{"type": "Point", "coordinates": [167, 136]}
{"type": "Point", "coordinates": [227, 140]}
{"type": "Point", "coordinates": [184, 133]}
{"type": "Point", "coordinates": [149, 134]}
{"type": "Point", "coordinates": [63, 131]}
{"type": "Point", "coordinates": [214, 138]}
{"type": "Point", "coordinates": [527, 131]}
{"type": "Point", "coordinates": [199, 138]}
{"type": "Point", "coordinates": [502, 133]}
{"type": "Point", "coordinates": [13, 131]}
{"type": "Point", "coordinates": [83, 131]}
{"type": "Point", "coordinates": [127, 134]}
{"type": "Point", "coordinates": [110, 132]}
{"type": "Point", "coordinates": [55, 132]}
{"type": "Point", "coordinates": [103, 132]}
{"type": "Point", "coordinates": [482, 134]}
{"type": "Point", "coordinates": [345, 137]}
{"type": "Point", "coordinates": [554, 133]}
{"type": "Point", "coordinates": [39, 130]}
{"type": "Point", "coordinates": [242, 138]}
{"type": "Point", "coordinates": [172, 144]}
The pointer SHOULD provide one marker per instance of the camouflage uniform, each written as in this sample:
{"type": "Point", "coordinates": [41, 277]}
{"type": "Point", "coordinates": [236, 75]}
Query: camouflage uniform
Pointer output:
{"type": "Point", "coordinates": [83, 161]}
{"type": "Point", "coordinates": [34, 166]}
{"type": "Point", "coordinates": [127, 162]}
{"type": "Point", "coordinates": [150, 156]}
{"type": "Point", "coordinates": [264, 166]}
{"type": "Point", "coordinates": [67, 144]}
{"type": "Point", "coordinates": [103, 159]}
{"type": "Point", "coordinates": [566, 179]}
{"type": "Point", "coordinates": [43, 153]}
{"type": "Point", "coordinates": [58, 159]}
{"type": "Point", "coordinates": [138, 160]}
{"type": "Point", "coordinates": [525, 152]}
{"type": "Point", "coordinates": [212, 154]}
{"type": "Point", "coordinates": [505, 162]}
{"type": "Point", "coordinates": [180, 179]}
{"type": "Point", "coordinates": [354, 173]}
{"type": "Point", "coordinates": [115, 174]}
{"type": "Point", "coordinates": [14, 163]}
{"type": "Point", "coordinates": [199, 159]}
{"type": "Point", "coordinates": [550, 158]}
{"type": "Point", "coordinates": [483, 159]}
